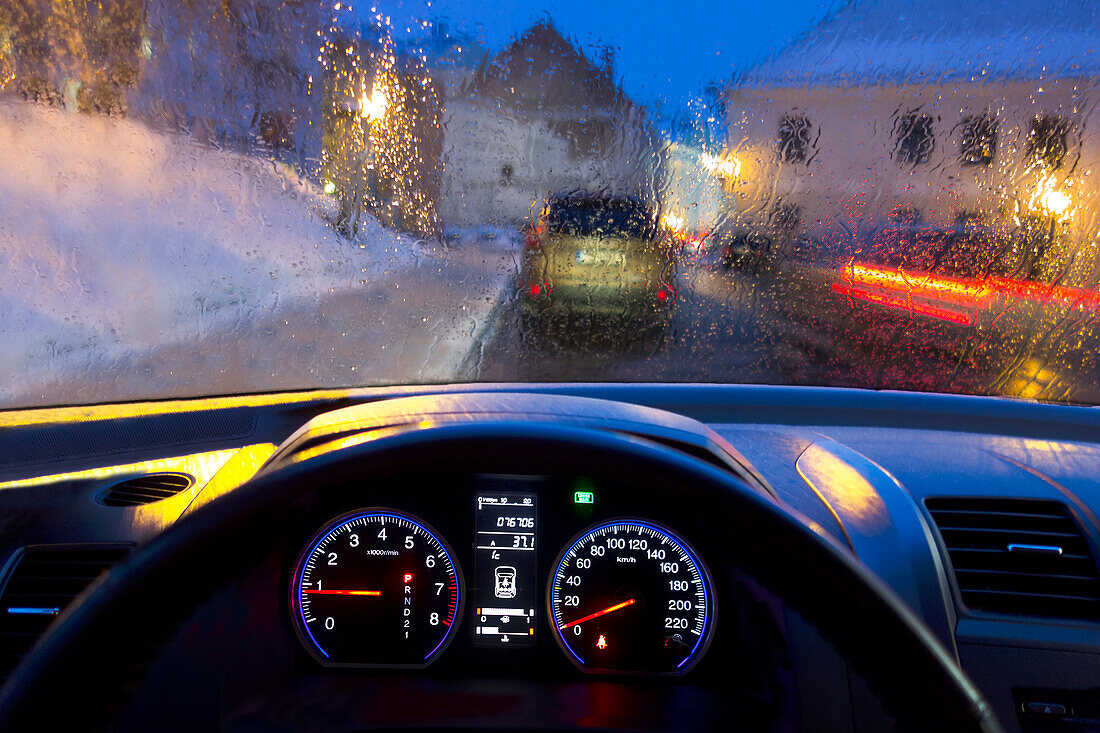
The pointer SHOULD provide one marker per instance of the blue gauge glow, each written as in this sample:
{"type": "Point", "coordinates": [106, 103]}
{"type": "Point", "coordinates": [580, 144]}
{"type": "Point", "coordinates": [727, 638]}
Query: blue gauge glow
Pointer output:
{"type": "Point", "coordinates": [376, 588]}
{"type": "Point", "coordinates": [630, 596]}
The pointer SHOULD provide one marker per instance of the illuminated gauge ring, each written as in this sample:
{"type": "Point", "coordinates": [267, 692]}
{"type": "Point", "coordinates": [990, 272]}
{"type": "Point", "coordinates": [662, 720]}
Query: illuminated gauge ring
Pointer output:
{"type": "Point", "coordinates": [629, 596]}
{"type": "Point", "coordinates": [376, 588]}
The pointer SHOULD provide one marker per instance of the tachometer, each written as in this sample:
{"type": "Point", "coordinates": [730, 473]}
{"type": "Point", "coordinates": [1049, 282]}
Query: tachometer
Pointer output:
{"type": "Point", "coordinates": [630, 596]}
{"type": "Point", "coordinates": [376, 588]}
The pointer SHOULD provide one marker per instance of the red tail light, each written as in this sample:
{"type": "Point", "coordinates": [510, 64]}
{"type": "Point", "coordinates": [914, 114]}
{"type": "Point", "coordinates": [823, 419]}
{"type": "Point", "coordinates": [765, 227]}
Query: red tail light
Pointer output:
{"type": "Point", "coordinates": [534, 236]}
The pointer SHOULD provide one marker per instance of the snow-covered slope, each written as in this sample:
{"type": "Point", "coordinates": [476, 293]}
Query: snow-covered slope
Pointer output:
{"type": "Point", "coordinates": [115, 238]}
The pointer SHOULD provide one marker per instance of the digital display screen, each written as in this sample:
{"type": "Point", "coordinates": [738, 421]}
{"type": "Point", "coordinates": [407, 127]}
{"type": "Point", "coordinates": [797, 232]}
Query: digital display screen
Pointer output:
{"type": "Point", "coordinates": [505, 587]}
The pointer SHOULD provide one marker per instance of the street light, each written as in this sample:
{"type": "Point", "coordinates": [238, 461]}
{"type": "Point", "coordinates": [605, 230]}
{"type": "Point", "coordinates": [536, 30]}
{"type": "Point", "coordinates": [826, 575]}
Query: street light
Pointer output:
{"type": "Point", "coordinates": [1055, 203]}
{"type": "Point", "coordinates": [1052, 202]}
{"type": "Point", "coordinates": [373, 107]}
{"type": "Point", "coordinates": [728, 167]}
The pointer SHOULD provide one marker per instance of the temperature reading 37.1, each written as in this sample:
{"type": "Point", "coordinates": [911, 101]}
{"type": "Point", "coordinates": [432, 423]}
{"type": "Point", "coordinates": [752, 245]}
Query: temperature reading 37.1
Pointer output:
{"type": "Point", "coordinates": [504, 590]}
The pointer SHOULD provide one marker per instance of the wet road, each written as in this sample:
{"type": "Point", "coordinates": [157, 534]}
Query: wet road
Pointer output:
{"type": "Point", "coordinates": [725, 327]}
{"type": "Point", "coordinates": [791, 327]}
{"type": "Point", "coordinates": [455, 317]}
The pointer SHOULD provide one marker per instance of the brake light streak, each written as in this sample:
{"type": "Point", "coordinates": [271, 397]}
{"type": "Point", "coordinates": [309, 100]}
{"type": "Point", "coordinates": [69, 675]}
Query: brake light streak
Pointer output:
{"type": "Point", "coordinates": [953, 299]}
{"type": "Point", "coordinates": [953, 290]}
{"type": "Point", "coordinates": [944, 314]}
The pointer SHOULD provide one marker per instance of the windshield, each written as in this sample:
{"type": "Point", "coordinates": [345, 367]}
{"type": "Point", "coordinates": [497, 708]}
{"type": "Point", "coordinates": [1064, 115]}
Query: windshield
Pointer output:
{"type": "Point", "coordinates": [229, 196]}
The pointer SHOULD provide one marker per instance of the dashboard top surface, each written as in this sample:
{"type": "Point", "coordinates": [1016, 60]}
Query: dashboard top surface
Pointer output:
{"type": "Point", "coordinates": [856, 466]}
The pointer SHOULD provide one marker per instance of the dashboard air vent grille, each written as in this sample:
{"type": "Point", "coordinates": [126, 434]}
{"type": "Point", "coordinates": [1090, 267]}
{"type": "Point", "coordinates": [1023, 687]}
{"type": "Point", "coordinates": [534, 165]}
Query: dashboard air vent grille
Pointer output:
{"type": "Point", "coordinates": [146, 489]}
{"type": "Point", "coordinates": [1018, 556]}
{"type": "Point", "coordinates": [43, 581]}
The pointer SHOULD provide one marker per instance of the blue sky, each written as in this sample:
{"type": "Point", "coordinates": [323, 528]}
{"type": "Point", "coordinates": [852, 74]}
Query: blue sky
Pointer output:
{"type": "Point", "coordinates": [665, 51]}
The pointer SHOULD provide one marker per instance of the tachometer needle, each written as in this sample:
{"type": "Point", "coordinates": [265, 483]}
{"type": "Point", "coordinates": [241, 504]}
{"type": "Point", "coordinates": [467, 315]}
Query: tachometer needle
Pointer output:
{"type": "Point", "coordinates": [597, 614]}
{"type": "Point", "coordinates": [344, 592]}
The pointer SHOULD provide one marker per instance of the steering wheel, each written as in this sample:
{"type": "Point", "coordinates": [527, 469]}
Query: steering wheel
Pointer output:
{"type": "Point", "coordinates": [84, 670]}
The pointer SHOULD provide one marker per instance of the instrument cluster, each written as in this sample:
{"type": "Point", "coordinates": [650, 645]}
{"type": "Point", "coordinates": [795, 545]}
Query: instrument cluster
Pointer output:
{"type": "Point", "coordinates": [380, 587]}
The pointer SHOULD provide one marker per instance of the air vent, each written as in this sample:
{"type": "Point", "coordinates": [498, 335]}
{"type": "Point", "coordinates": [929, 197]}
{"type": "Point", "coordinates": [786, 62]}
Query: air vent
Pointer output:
{"type": "Point", "coordinates": [1019, 556]}
{"type": "Point", "coordinates": [145, 489]}
{"type": "Point", "coordinates": [43, 581]}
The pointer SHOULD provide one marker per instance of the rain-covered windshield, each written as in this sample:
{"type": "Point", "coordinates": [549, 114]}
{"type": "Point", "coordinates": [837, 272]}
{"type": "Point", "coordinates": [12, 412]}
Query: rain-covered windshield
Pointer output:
{"type": "Point", "coordinates": [223, 196]}
{"type": "Point", "coordinates": [587, 217]}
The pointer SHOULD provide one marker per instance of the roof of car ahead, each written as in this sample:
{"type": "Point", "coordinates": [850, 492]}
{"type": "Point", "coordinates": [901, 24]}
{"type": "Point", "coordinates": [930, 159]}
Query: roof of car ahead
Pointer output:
{"type": "Point", "coordinates": [596, 200]}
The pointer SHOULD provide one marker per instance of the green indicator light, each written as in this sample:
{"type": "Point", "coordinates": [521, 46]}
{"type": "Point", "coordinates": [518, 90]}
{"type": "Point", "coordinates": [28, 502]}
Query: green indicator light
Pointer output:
{"type": "Point", "coordinates": [584, 497]}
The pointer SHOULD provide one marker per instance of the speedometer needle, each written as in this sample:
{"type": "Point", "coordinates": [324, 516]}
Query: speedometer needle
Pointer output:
{"type": "Point", "coordinates": [597, 614]}
{"type": "Point", "coordinates": [344, 592]}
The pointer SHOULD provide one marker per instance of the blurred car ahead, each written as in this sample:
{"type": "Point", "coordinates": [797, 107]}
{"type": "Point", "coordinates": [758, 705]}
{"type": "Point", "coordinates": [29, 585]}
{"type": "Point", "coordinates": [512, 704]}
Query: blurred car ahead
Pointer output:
{"type": "Point", "coordinates": [592, 260]}
{"type": "Point", "coordinates": [745, 251]}
{"type": "Point", "coordinates": [693, 247]}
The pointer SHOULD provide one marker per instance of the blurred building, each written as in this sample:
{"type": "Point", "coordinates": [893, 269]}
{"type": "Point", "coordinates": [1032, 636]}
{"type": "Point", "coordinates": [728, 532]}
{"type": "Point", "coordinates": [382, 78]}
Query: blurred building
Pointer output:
{"type": "Point", "coordinates": [694, 200]}
{"type": "Point", "coordinates": [537, 118]}
{"type": "Point", "coordinates": [957, 117]}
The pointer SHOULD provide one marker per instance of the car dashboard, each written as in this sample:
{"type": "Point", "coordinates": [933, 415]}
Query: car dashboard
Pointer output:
{"type": "Point", "coordinates": [489, 589]}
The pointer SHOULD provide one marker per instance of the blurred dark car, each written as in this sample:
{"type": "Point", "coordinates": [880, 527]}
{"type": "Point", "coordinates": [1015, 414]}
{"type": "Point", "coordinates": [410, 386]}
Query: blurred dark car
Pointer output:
{"type": "Point", "coordinates": [745, 251]}
{"type": "Point", "coordinates": [594, 261]}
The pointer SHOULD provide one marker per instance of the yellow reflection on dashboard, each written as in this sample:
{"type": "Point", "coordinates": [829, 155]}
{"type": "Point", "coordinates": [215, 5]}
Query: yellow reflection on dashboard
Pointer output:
{"type": "Point", "coordinates": [200, 466]}
{"type": "Point", "coordinates": [90, 413]}
{"type": "Point", "coordinates": [242, 466]}
{"type": "Point", "coordinates": [850, 495]}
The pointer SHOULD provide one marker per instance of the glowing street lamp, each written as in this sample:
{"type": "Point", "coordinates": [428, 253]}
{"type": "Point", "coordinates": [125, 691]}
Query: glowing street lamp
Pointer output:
{"type": "Point", "coordinates": [373, 107]}
{"type": "Point", "coordinates": [728, 167]}
{"type": "Point", "coordinates": [1055, 203]}
{"type": "Point", "coordinates": [673, 222]}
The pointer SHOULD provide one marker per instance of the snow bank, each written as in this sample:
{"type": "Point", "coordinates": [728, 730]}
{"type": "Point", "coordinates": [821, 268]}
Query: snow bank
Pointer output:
{"type": "Point", "coordinates": [116, 238]}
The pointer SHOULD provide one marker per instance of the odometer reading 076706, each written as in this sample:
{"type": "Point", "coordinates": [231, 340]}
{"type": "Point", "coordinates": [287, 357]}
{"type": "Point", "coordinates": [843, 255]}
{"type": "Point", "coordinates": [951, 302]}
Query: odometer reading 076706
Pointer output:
{"type": "Point", "coordinates": [630, 596]}
{"type": "Point", "coordinates": [376, 588]}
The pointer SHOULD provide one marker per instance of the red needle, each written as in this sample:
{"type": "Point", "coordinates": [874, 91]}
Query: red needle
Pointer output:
{"type": "Point", "coordinates": [597, 614]}
{"type": "Point", "coordinates": [345, 592]}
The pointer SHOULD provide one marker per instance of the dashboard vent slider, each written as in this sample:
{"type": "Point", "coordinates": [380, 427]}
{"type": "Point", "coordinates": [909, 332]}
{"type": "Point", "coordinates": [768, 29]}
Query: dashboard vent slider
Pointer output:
{"type": "Point", "coordinates": [44, 580]}
{"type": "Point", "coordinates": [1024, 557]}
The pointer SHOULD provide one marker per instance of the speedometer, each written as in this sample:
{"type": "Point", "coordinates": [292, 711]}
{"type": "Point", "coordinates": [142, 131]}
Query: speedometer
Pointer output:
{"type": "Point", "coordinates": [375, 588]}
{"type": "Point", "coordinates": [630, 596]}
